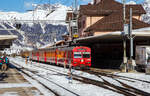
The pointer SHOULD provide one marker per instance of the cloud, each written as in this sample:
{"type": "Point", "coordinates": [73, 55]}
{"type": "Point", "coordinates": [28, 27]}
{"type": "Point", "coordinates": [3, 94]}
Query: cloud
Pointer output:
{"type": "Point", "coordinates": [28, 5]}
{"type": "Point", "coordinates": [131, 2]}
{"type": "Point", "coordinates": [85, 1]}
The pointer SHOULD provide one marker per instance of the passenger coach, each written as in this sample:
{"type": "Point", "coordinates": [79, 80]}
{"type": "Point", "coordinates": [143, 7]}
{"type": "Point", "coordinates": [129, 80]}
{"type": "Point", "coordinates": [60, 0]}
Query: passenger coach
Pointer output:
{"type": "Point", "coordinates": [79, 56]}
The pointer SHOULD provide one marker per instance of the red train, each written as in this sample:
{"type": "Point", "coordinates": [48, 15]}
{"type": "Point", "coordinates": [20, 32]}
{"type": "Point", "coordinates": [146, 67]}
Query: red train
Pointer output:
{"type": "Point", "coordinates": [79, 56]}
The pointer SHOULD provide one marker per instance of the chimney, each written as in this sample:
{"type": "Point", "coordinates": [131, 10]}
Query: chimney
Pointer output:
{"type": "Point", "coordinates": [94, 2]}
{"type": "Point", "coordinates": [89, 4]}
{"type": "Point", "coordinates": [97, 1]}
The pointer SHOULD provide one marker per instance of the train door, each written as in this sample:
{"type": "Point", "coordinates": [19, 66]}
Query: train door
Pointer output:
{"type": "Point", "coordinates": [45, 56]}
{"type": "Point", "coordinates": [86, 58]}
{"type": "Point", "coordinates": [69, 58]}
{"type": "Point", "coordinates": [32, 55]}
{"type": "Point", "coordinates": [65, 59]}
{"type": "Point", "coordinates": [56, 57]}
{"type": "Point", "coordinates": [37, 54]}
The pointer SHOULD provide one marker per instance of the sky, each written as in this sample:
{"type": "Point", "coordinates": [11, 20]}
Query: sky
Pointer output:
{"type": "Point", "coordinates": [23, 5]}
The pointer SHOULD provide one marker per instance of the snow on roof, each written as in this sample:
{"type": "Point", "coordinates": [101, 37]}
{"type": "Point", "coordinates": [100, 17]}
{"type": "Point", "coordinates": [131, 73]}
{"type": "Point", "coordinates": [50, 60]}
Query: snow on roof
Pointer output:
{"type": "Point", "coordinates": [5, 37]}
{"type": "Point", "coordinates": [52, 44]}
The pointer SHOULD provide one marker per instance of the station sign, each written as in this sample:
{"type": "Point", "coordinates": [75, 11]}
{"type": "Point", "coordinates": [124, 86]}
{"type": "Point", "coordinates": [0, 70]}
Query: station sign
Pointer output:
{"type": "Point", "coordinates": [126, 29]}
{"type": "Point", "coordinates": [73, 23]}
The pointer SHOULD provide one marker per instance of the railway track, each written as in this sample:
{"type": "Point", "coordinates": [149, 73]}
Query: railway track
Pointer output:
{"type": "Point", "coordinates": [116, 77]}
{"type": "Point", "coordinates": [19, 68]}
{"type": "Point", "coordinates": [30, 73]}
{"type": "Point", "coordinates": [124, 89]}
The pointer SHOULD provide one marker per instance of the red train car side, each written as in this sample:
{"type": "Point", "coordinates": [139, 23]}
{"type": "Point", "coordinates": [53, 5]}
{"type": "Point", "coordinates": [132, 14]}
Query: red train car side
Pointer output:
{"type": "Point", "coordinates": [79, 56]}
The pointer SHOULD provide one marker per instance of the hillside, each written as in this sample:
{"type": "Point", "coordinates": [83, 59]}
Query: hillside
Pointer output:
{"type": "Point", "coordinates": [38, 27]}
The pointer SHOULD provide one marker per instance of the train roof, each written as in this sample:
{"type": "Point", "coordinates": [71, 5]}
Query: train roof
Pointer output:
{"type": "Point", "coordinates": [66, 47]}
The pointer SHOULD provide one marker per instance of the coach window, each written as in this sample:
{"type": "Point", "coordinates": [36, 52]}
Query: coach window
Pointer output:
{"type": "Point", "coordinates": [77, 55]}
{"type": "Point", "coordinates": [86, 54]}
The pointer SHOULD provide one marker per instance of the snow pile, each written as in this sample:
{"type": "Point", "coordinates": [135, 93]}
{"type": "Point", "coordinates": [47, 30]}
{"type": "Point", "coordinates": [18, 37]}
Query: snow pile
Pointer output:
{"type": "Point", "coordinates": [15, 49]}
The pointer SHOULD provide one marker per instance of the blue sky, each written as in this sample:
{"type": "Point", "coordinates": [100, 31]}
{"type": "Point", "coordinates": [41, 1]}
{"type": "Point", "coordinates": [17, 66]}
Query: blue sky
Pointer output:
{"type": "Point", "coordinates": [23, 5]}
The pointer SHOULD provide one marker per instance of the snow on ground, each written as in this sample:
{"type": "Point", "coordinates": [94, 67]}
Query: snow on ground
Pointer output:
{"type": "Point", "coordinates": [44, 91]}
{"type": "Point", "coordinates": [14, 85]}
{"type": "Point", "coordinates": [9, 94]}
{"type": "Point", "coordinates": [78, 87]}
{"type": "Point", "coordinates": [58, 80]}
{"type": "Point", "coordinates": [138, 84]}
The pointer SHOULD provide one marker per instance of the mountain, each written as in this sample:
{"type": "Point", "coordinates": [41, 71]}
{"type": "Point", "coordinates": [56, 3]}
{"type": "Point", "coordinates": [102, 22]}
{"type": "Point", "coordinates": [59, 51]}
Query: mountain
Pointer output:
{"type": "Point", "coordinates": [38, 27]}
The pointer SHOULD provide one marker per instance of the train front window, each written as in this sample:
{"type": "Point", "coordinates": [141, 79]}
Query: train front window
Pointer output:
{"type": "Point", "coordinates": [86, 54]}
{"type": "Point", "coordinates": [77, 55]}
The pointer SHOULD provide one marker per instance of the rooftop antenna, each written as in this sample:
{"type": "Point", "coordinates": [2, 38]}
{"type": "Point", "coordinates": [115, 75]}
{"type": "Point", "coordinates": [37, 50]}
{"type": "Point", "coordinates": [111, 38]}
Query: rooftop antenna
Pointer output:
{"type": "Point", "coordinates": [49, 4]}
{"type": "Point", "coordinates": [76, 7]}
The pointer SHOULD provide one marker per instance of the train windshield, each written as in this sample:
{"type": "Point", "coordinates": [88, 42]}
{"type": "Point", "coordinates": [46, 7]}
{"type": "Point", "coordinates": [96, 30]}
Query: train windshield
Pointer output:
{"type": "Point", "coordinates": [77, 55]}
{"type": "Point", "coordinates": [86, 54]}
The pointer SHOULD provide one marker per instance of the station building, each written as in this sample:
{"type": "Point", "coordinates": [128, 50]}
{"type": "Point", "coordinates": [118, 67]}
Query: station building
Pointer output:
{"type": "Point", "coordinates": [6, 41]}
{"type": "Point", "coordinates": [100, 26]}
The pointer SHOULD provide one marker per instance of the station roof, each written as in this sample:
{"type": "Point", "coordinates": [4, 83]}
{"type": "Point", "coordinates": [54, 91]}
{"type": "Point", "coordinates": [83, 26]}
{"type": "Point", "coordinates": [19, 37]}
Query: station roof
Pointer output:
{"type": "Point", "coordinates": [6, 41]}
{"type": "Point", "coordinates": [139, 34]}
{"type": "Point", "coordinates": [114, 22]}
{"type": "Point", "coordinates": [106, 7]}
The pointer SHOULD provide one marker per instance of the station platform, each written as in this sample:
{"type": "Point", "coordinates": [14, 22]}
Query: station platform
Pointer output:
{"type": "Point", "coordinates": [12, 83]}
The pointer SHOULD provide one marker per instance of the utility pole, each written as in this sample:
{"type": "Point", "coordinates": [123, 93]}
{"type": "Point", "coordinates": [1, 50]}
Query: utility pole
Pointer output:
{"type": "Point", "coordinates": [124, 38]}
{"type": "Point", "coordinates": [74, 22]}
{"type": "Point", "coordinates": [131, 37]}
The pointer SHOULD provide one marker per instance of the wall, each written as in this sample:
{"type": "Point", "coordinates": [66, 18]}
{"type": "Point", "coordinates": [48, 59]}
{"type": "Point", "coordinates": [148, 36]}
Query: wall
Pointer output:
{"type": "Point", "coordinates": [96, 1]}
{"type": "Point", "coordinates": [89, 20]}
{"type": "Point", "coordinates": [138, 17]}
{"type": "Point", "coordinates": [98, 33]}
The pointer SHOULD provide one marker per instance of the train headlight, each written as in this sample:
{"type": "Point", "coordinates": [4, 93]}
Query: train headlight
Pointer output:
{"type": "Point", "coordinates": [82, 60]}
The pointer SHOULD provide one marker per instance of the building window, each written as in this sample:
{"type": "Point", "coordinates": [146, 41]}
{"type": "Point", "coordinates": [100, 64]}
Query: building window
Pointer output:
{"type": "Point", "coordinates": [79, 25]}
{"type": "Point", "coordinates": [84, 24]}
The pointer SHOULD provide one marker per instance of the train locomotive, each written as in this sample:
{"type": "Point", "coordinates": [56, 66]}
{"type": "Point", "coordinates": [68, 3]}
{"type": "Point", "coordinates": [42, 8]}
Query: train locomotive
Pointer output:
{"type": "Point", "coordinates": [76, 56]}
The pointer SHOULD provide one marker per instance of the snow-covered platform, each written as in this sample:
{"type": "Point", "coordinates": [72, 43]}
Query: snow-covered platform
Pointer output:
{"type": "Point", "coordinates": [12, 83]}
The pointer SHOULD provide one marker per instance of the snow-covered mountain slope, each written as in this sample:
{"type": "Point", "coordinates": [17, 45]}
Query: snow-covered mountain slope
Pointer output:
{"type": "Point", "coordinates": [41, 12]}
{"type": "Point", "coordinates": [38, 33]}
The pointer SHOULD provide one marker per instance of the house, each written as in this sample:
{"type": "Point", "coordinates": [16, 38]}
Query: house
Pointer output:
{"type": "Point", "coordinates": [106, 16]}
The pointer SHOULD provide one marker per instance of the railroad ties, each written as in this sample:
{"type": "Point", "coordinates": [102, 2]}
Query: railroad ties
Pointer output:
{"type": "Point", "coordinates": [12, 83]}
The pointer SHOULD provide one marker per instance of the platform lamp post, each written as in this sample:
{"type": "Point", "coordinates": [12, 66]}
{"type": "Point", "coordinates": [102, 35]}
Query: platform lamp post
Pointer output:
{"type": "Point", "coordinates": [125, 32]}
{"type": "Point", "coordinates": [131, 37]}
